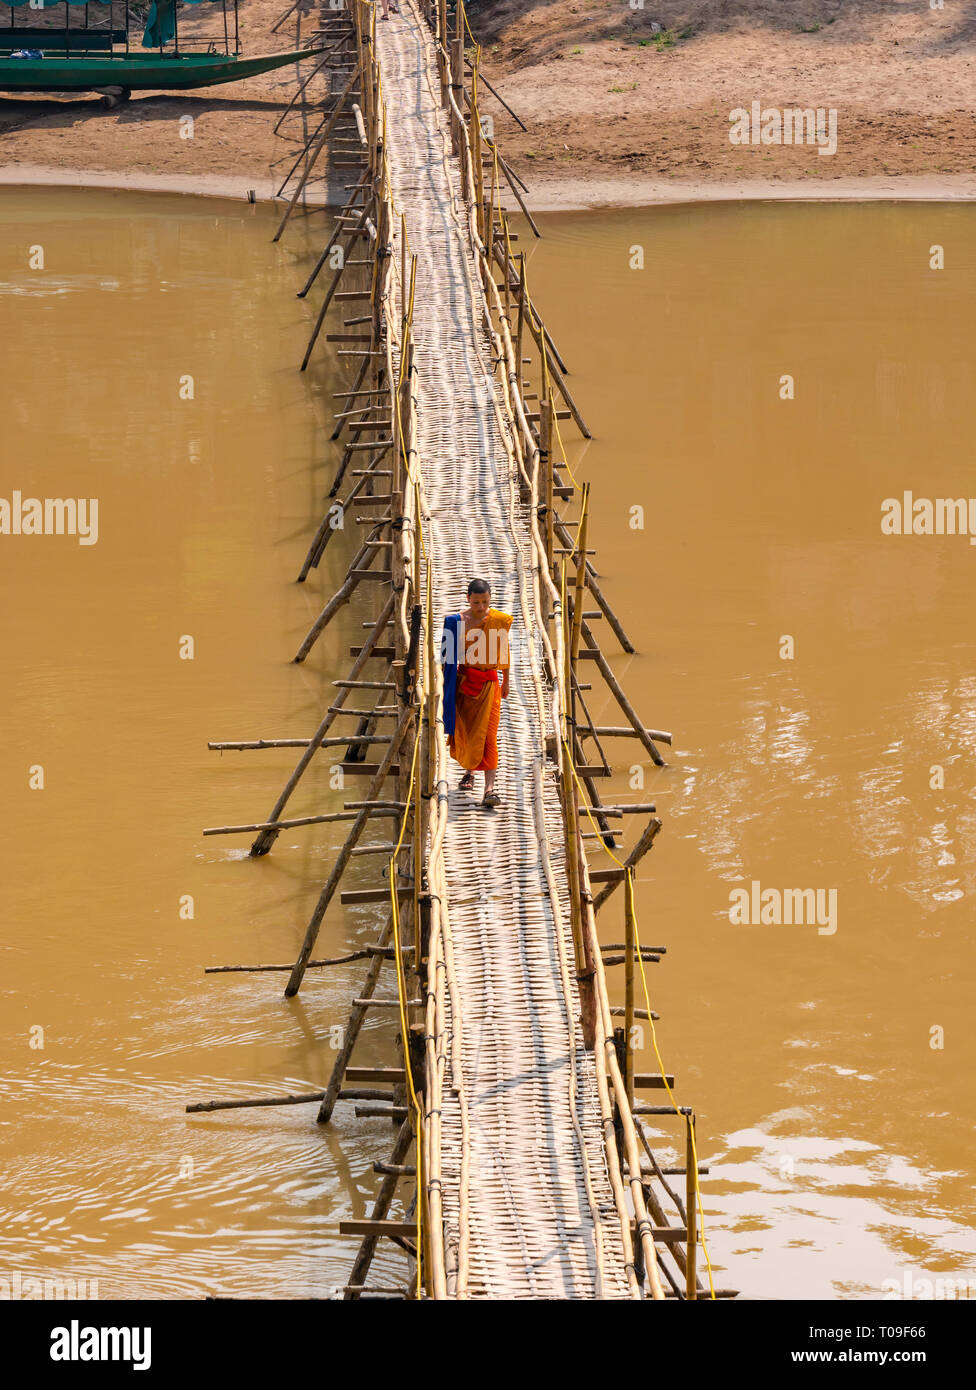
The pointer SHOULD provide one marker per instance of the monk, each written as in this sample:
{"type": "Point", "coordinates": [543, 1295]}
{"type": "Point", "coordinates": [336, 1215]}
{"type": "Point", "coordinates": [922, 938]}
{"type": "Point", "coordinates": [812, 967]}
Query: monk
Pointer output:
{"type": "Point", "coordinates": [482, 684]}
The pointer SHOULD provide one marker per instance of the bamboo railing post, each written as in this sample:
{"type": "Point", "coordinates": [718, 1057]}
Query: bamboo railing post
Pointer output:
{"type": "Point", "coordinates": [519, 366]}
{"type": "Point", "coordinates": [691, 1208]}
{"type": "Point", "coordinates": [457, 55]}
{"type": "Point", "coordinates": [570, 808]}
{"type": "Point", "coordinates": [577, 598]}
{"type": "Point", "coordinates": [545, 458]}
{"type": "Point", "coordinates": [630, 932]}
{"type": "Point", "coordinates": [474, 126]}
{"type": "Point", "coordinates": [442, 44]}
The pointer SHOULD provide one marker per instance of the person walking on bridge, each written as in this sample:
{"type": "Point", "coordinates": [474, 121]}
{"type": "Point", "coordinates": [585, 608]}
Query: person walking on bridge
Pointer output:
{"type": "Point", "coordinates": [476, 662]}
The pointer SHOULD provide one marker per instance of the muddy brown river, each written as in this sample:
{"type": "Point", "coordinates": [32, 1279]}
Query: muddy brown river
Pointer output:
{"type": "Point", "coordinates": [819, 676]}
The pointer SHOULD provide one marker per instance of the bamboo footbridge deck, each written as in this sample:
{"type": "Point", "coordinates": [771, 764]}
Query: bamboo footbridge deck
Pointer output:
{"type": "Point", "coordinates": [533, 1175]}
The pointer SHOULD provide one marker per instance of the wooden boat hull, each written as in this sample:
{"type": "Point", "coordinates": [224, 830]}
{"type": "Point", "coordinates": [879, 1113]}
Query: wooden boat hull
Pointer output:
{"type": "Point", "coordinates": [137, 71]}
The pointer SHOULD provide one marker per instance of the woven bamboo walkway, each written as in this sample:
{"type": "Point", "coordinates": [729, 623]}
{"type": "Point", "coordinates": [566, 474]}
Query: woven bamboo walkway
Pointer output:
{"type": "Point", "coordinates": [523, 1160]}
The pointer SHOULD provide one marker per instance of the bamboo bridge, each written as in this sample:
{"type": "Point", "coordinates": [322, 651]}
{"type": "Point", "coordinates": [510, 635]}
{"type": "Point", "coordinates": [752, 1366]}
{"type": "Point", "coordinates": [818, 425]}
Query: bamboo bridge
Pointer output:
{"type": "Point", "coordinates": [522, 1165]}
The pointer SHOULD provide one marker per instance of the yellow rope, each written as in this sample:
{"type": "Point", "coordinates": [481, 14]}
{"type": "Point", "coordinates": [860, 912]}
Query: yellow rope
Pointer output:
{"type": "Point", "coordinates": [464, 15]}
{"type": "Point", "coordinates": [404, 1030]}
{"type": "Point", "coordinates": [647, 1000]}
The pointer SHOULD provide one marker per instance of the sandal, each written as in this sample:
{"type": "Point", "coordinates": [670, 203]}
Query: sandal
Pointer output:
{"type": "Point", "coordinates": [491, 800]}
{"type": "Point", "coordinates": [466, 783]}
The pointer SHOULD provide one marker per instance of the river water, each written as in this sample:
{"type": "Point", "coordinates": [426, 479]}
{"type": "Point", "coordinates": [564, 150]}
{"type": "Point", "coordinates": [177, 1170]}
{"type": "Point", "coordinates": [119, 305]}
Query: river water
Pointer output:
{"type": "Point", "coordinates": [838, 1135]}
{"type": "Point", "coordinates": [831, 1070]}
{"type": "Point", "coordinates": [206, 510]}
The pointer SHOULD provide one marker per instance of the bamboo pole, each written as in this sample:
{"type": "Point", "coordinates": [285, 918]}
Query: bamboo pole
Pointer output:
{"type": "Point", "coordinates": [364, 559]}
{"type": "Point", "coordinates": [267, 838]}
{"type": "Point", "coordinates": [357, 1016]}
{"type": "Point", "coordinates": [545, 460]}
{"type": "Point", "coordinates": [571, 826]}
{"type": "Point", "coordinates": [388, 1187]}
{"type": "Point", "coordinates": [691, 1207]}
{"type": "Point", "coordinates": [630, 929]}
{"type": "Point", "coordinates": [337, 232]}
{"type": "Point", "coordinates": [619, 695]}
{"type": "Point", "coordinates": [367, 953]}
{"type": "Point", "coordinates": [580, 577]}
{"type": "Point", "coordinates": [312, 931]}
{"type": "Point", "coordinates": [319, 146]}
{"type": "Point", "coordinates": [333, 286]}
{"type": "Point", "coordinates": [634, 857]}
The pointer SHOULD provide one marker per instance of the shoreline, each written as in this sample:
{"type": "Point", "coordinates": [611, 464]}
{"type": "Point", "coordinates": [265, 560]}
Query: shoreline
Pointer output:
{"type": "Point", "coordinates": [564, 195]}
{"type": "Point", "coordinates": [234, 187]}
{"type": "Point", "coordinates": [545, 195]}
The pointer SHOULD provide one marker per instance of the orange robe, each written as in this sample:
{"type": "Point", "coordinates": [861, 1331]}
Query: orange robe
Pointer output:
{"type": "Point", "coordinates": [478, 703]}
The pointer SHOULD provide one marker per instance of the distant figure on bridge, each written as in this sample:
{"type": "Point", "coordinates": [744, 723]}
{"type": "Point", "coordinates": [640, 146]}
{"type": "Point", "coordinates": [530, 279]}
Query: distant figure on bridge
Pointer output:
{"type": "Point", "coordinates": [476, 654]}
{"type": "Point", "coordinates": [389, 7]}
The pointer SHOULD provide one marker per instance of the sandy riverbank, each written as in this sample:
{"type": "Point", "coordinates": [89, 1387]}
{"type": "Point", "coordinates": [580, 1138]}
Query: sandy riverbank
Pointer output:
{"type": "Point", "coordinates": [146, 143]}
{"type": "Point", "coordinates": [548, 194]}
{"type": "Point", "coordinates": [619, 112]}
{"type": "Point", "coordinates": [609, 93]}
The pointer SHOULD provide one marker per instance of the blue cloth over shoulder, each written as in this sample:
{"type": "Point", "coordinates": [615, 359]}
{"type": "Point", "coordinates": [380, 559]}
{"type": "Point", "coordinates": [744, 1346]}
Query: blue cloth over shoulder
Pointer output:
{"type": "Point", "coordinates": [450, 647]}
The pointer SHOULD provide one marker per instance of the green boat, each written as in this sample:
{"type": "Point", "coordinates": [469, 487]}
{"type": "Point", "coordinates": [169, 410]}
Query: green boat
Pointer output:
{"type": "Point", "coordinates": [98, 58]}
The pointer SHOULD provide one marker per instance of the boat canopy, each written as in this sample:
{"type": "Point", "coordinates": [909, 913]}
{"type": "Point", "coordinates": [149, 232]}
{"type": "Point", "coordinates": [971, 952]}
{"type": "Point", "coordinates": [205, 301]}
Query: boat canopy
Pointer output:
{"type": "Point", "coordinates": [160, 26]}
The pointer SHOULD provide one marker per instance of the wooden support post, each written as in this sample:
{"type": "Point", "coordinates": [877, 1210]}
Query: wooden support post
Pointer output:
{"type": "Point", "coordinates": [323, 61]}
{"type": "Point", "coordinates": [519, 365]}
{"type": "Point", "coordinates": [630, 933]}
{"type": "Point", "coordinates": [356, 751]}
{"type": "Point", "coordinates": [545, 462]}
{"type": "Point", "coordinates": [266, 839]}
{"type": "Point", "coordinates": [328, 892]}
{"type": "Point", "coordinates": [621, 698]}
{"type": "Point", "coordinates": [326, 528]}
{"type": "Point", "coordinates": [538, 334]}
{"type": "Point", "coordinates": [381, 1206]}
{"type": "Point", "coordinates": [337, 233]}
{"type": "Point", "coordinates": [634, 857]}
{"type": "Point", "coordinates": [510, 180]}
{"type": "Point", "coordinates": [580, 577]}
{"type": "Point", "coordinates": [319, 145]}
{"type": "Point", "coordinates": [333, 286]}
{"type": "Point", "coordinates": [457, 56]}
{"type": "Point", "coordinates": [357, 1015]}
{"type": "Point", "coordinates": [563, 532]}
{"type": "Point", "coordinates": [362, 562]}
{"type": "Point", "coordinates": [570, 808]}
{"type": "Point", "coordinates": [691, 1209]}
